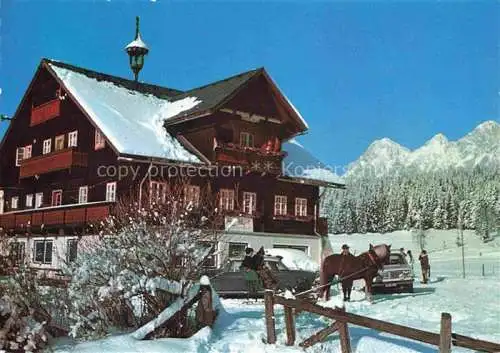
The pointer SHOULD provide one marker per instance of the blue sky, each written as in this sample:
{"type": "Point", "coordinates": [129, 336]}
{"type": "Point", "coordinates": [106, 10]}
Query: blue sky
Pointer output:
{"type": "Point", "coordinates": [357, 71]}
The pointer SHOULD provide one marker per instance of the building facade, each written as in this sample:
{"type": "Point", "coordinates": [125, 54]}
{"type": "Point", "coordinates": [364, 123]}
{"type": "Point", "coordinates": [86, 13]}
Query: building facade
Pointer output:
{"type": "Point", "coordinates": [81, 140]}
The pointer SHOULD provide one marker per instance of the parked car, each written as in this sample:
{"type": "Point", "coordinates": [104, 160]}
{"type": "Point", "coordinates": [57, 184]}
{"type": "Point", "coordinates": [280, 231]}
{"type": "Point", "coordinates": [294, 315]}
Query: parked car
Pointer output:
{"type": "Point", "coordinates": [397, 275]}
{"type": "Point", "coordinates": [230, 281]}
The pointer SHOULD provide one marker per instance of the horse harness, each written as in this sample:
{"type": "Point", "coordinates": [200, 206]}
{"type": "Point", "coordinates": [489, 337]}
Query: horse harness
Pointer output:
{"type": "Point", "coordinates": [374, 259]}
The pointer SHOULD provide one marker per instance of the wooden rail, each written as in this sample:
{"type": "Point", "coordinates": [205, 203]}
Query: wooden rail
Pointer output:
{"type": "Point", "coordinates": [444, 340]}
{"type": "Point", "coordinates": [62, 215]}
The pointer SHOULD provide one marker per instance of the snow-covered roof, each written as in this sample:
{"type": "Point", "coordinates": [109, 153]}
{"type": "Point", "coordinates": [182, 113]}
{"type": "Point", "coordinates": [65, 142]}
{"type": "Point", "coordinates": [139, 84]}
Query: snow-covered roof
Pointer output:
{"type": "Point", "coordinates": [132, 121]}
{"type": "Point", "coordinates": [133, 115]}
{"type": "Point", "coordinates": [301, 164]}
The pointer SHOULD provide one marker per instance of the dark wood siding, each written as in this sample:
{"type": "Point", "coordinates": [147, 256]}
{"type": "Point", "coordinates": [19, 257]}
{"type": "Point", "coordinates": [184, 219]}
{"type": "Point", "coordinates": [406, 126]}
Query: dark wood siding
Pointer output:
{"type": "Point", "coordinates": [200, 133]}
{"type": "Point", "coordinates": [22, 134]}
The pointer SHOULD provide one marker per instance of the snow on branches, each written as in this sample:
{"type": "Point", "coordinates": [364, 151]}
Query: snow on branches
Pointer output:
{"type": "Point", "coordinates": [142, 261]}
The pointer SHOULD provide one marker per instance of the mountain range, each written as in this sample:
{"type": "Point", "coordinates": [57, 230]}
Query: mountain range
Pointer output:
{"type": "Point", "coordinates": [479, 148]}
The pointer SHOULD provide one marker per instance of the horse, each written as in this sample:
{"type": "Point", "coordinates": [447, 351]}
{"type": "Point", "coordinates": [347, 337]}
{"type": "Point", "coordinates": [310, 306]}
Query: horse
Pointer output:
{"type": "Point", "coordinates": [268, 279]}
{"type": "Point", "coordinates": [364, 266]}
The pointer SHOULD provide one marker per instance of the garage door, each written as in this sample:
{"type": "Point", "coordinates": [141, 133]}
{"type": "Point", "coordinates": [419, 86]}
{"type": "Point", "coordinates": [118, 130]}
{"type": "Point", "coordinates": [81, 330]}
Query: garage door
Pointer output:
{"type": "Point", "coordinates": [305, 249]}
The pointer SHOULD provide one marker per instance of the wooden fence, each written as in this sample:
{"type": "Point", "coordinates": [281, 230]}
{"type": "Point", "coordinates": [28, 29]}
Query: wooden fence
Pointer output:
{"type": "Point", "coordinates": [444, 340]}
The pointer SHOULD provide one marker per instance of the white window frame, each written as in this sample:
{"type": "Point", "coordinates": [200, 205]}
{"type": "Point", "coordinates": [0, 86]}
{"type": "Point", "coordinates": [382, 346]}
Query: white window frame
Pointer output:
{"type": "Point", "coordinates": [280, 205]}
{"type": "Point", "coordinates": [59, 139]}
{"type": "Point", "coordinates": [111, 191]}
{"type": "Point", "coordinates": [227, 199]}
{"type": "Point", "coordinates": [38, 199]}
{"type": "Point", "coordinates": [55, 192]}
{"type": "Point", "coordinates": [300, 207]}
{"type": "Point", "coordinates": [83, 194]}
{"type": "Point", "coordinates": [47, 146]}
{"type": "Point", "coordinates": [44, 260]}
{"type": "Point", "coordinates": [99, 141]}
{"type": "Point", "coordinates": [27, 152]}
{"type": "Point", "coordinates": [247, 139]}
{"type": "Point", "coordinates": [2, 202]}
{"type": "Point", "coordinates": [29, 200]}
{"type": "Point", "coordinates": [192, 195]}
{"type": "Point", "coordinates": [19, 155]}
{"type": "Point", "coordinates": [157, 192]}
{"type": "Point", "coordinates": [230, 244]}
{"type": "Point", "coordinates": [14, 202]}
{"type": "Point", "coordinates": [73, 139]}
{"type": "Point", "coordinates": [249, 202]}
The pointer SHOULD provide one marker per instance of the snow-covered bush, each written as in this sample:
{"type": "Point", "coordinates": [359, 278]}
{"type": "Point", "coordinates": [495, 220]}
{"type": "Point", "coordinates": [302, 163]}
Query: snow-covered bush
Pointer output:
{"type": "Point", "coordinates": [143, 259]}
{"type": "Point", "coordinates": [26, 321]}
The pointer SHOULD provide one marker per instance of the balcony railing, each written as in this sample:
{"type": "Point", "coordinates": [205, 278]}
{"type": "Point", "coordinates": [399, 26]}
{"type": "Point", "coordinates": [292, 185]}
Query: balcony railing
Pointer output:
{"type": "Point", "coordinates": [58, 160]}
{"type": "Point", "coordinates": [252, 159]}
{"type": "Point", "coordinates": [46, 111]}
{"type": "Point", "coordinates": [78, 214]}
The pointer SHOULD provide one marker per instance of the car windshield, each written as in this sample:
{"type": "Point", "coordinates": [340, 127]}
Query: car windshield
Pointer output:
{"type": "Point", "coordinates": [397, 259]}
{"type": "Point", "coordinates": [276, 265]}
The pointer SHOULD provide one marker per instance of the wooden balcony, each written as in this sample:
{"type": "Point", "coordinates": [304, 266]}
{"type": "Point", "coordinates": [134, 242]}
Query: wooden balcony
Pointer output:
{"type": "Point", "coordinates": [251, 159]}
{"type": "Point", "coordinates": [58, 160]}
{"type": "Point", "coordinates": [56, 216]}
{"type": "Point", "coordinates": [46, 111]}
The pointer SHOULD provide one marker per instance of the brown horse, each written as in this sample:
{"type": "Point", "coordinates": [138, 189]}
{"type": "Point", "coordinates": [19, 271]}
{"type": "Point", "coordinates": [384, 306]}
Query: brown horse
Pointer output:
{"type": "Point", "coordinates": [364, 266]}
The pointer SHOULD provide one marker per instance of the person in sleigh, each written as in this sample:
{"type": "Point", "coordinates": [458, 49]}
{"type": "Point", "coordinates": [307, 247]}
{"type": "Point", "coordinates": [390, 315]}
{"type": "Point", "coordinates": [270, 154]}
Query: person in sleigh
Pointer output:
{"type": "Point", "coordinates": [268, 279]}
{"type": "Point", "coordinates": [251, 276]}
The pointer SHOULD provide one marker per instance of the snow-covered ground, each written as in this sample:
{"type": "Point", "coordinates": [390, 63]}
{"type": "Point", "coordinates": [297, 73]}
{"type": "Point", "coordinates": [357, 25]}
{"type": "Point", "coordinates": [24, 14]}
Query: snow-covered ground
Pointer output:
{"type": "Point", "coordinates": [474, 304]}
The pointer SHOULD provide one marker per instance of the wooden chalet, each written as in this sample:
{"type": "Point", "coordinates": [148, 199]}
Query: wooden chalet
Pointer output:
{"type": "Point", "coordinates": [75, 129]}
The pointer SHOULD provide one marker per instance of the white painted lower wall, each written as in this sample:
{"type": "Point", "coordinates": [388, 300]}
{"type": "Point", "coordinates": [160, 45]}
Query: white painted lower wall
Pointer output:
{"type": "Point", "coordinates": [251, 239]}
{"type": "Point", "coordinates": [268, 241]}
{"type": "Point", "coordinates": [59, 251]}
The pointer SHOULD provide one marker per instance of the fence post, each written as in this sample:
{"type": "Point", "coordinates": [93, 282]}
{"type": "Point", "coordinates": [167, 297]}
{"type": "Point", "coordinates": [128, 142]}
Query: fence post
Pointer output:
{"type": "Point", "coordinates": [290, 326]}
{"type": "Point", "coordinates": [345, 340]}
{"type": "Point", "coordinates": [205, 313]}
{"type": "Point", "coordinates": [270, 325]}
{"type": "Point", "coordinates": [445, 334]}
